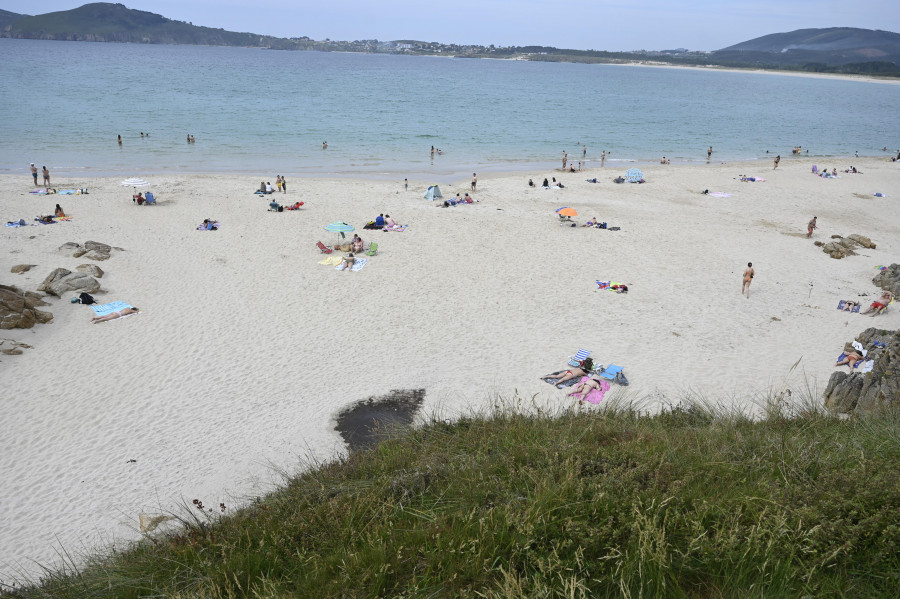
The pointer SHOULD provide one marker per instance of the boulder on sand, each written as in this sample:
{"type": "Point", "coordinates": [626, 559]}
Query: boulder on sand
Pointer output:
{"type": "Point", "coordinates": [18, 311]}
{"type": "Point", "coordinates": [62, 281]}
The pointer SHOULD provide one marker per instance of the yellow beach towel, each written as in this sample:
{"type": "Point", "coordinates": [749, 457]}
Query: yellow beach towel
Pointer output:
{"type": "Point", "coordinates": [331, 261]}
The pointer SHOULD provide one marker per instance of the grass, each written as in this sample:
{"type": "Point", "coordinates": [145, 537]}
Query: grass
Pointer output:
{"type": "Point", "coordinates": [689, 502]}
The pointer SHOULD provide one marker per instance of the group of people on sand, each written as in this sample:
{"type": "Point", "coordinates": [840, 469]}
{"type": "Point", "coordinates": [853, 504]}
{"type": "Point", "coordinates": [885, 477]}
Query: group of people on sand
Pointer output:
{"type": "Point", "coordinates": [584, 371]}
{"type": "Point", "coordinates": [547, 184]}
{"type": "Point", "coordinates": [44, 171]}
{"type": "Point", "coordinates": [266, 186]}
{"type": "Point", "coordinates": [382, 221]}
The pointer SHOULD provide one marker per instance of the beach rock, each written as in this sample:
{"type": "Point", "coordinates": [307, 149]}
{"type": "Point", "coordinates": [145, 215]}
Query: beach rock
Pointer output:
{"type": "Point", "coordinates": [91, 269]}
{"type": "Point", "coordinates": [837, 250]}
{"type": "Point", "coordinates": [862, 240]}
{"type": "Point", "coordinates": [20, 268]}
{"type": "Point", "coordinates": [18, 311]}
{"type": "Point", "coordinates": [856, 393]}
{"type": "Point", "coordinates": [62, 281]}
{"type": "Point", "coordinates": [889, 279]}
{"type": "Point", "coordinates": [11, 347]}
{"type": "Point", "coordinates": [92, 250]}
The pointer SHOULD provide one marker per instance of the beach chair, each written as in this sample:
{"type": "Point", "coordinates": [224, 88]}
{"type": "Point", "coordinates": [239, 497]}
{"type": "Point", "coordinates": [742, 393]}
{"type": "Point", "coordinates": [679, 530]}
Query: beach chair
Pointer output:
{"type": "Point", "coordinates": [321, 246]}
{"type": "Point", "coordinates": [578, 358]}
{"type": "Point", "coordinates": [373, 249]}
{"type": "Point", "coordinates": [611, 371]}
{"type": "Point", "coordinates": [149, 199]}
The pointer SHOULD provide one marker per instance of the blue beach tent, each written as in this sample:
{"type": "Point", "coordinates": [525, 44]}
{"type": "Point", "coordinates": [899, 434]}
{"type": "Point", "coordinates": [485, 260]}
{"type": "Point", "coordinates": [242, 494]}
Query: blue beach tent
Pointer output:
{"type": "Point", "coordinates": [433, 193]}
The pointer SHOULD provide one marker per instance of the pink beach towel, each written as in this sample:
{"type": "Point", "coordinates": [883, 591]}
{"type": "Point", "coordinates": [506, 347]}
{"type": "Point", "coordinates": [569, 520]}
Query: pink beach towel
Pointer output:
{"type": "Point", "coordinates": [594, 395]}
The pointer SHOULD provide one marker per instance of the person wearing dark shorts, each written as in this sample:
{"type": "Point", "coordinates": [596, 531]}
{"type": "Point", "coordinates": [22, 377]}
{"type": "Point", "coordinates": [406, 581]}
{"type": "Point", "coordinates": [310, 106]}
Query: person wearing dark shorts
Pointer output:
{"type": "Point", "coordinates": [34, 173]}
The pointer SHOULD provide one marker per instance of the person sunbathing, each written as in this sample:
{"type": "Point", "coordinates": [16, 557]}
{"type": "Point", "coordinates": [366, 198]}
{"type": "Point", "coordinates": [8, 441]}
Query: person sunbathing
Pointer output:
{"type": "Point", "coordinates": [114, 315]}
{"type": "Point", "coordinates": [583, 369]}
{"type": "Point", "coordinates": [584, 387]}
{"type": "Point", "coordinates": [879, 305]}
{"type": "Point", "coordinates": [850, 359]}
{"type": "Point", "coordinates": [849, 305]}
{"type": "Point", "coordinates": [594, 222]}
{"type": "Point", "coordinates": [356, 244]}
{"type": "Point", "coordinates": [59, 212]}
{"type": "Point", "coordinates": [348, 262]}
{"type": "Point", "coordinates": [296, 206]}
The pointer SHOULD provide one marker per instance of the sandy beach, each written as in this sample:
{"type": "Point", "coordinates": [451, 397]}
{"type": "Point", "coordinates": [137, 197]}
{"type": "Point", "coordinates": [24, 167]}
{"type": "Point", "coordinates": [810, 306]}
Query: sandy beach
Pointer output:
{"type": "Point", "coordinates": [246, 348]}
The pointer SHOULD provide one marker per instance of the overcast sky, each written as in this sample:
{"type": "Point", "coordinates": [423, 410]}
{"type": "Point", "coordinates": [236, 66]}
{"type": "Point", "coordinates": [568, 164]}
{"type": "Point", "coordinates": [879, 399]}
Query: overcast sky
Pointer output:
{"type": "Point", "coordinates": [577, 24]}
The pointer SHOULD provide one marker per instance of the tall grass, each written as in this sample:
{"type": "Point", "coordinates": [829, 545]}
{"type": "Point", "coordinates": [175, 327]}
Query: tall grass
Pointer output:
{"type": "Point", "coordinates": [692, 501]}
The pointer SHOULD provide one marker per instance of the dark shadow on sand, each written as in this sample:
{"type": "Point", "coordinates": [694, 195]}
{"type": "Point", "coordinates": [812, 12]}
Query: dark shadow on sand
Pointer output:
{"type": "Point", "coordinates": [370, 421]}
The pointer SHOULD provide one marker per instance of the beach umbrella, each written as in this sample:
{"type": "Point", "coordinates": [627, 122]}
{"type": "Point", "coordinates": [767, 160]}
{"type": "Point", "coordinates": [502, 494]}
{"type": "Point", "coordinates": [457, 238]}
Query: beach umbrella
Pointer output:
{"type": "Point", "coordinates": [135, 182]}
{"type": "Point", "coordinates": [567, 212]}
{"type": "Point", "coordinates": [339, 227]}
{"type": "Point", "coordinates": [633, 175]}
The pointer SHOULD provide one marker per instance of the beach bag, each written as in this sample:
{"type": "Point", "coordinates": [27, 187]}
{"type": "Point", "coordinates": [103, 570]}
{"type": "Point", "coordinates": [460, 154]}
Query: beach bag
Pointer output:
{"type": "Point", "coordinates": [620, 379]}
{"type": "Point", "coordinates": [86, 299]}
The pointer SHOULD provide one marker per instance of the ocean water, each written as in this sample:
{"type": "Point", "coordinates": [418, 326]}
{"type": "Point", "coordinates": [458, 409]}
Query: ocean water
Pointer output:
{"type": "Point", "coordinates": [254, 111]}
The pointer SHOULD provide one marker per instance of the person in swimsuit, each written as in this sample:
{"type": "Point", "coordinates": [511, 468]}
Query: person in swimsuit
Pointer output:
{"type": "Point", "coordinates": [850, 359]}
{"type": "Point", "coordinates": [114, 315]}
{"type": "Point", "coordinates": [356, 244]}
{"type": "Point", "coordinates": [777, 160]}
{"type": "Point", "coordinates": [283, 185]}
{"type": "Point", "coordinates": [748, 277]}
{"type": "Point", "coordinates": [584, 388]}
{"type": "Point", "coordinates": [879, 305]}
{"type": "Point", "coordinates": [347, 264]}
{"type": "Point", "coordinates": [474, 181]}
{"type": "Point", "coordinates": [810, 226]}
{"type": "Point", "coordinates": [59, 211]}
{"type": "Point", "coordinates": [583, 369]}
{"type": "Point", "coordinates": [34, 174]}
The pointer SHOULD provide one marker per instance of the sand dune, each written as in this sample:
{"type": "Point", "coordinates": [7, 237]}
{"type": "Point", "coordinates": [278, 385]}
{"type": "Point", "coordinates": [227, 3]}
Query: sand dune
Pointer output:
{"type": "Point", "coordinates": [246, 348]}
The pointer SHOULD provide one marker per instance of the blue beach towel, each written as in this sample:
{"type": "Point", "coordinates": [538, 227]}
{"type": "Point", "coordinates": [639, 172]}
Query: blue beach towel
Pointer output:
{"type": "Point", "coordinates": [843, 303]}
{"type": "Point", "coordinates": [104, 309]}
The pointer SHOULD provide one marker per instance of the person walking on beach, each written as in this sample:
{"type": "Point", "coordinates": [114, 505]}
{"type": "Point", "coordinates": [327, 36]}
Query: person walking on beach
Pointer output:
{"type": "Point", "coordinates": [283, 185]}
{"type": "Point", "coordinates": [810, 226]}
{"type": "Point", "coordinates": [565, 158]}
{"type": "Point", "coordinates": [34, 174]}
{"type": "Point", "coordinates": [777, 160]}
{"type": "Point", "coordinates": [46, 177]}
{"type": "Point", "coordinates": [474, 181]}
{"type": "Point", "coordinates": [748, 276]}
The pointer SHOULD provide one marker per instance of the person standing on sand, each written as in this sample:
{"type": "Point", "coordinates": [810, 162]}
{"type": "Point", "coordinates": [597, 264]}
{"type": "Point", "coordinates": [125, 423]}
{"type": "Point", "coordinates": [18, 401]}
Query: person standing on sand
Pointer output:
{"type": "Point", "coordinates": [34, 174]}
{"type": "Point", "coordinates": [283, 185]}
{"type": "Point", "coordinates": [810, 226]}
{"type": "Point", "coordinates": [565, 158]}
{"type": "Point", "coordinates": [748, 276]}
{"type": "Point", "coordinates": [603, 158]}
{"type": "Point", "coordinates": [46, 177]}
{"type": "Point", "coordinates": [406, 185]}
{"type": "Point", "coordinates": [474, 181]}
{"type": "Point", "coordinates": [777, 160]}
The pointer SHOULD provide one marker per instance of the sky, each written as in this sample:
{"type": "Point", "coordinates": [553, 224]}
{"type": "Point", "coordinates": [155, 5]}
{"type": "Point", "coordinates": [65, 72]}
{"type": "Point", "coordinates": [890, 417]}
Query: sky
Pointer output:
{"type": "Point", "coordinates": [574, 24]}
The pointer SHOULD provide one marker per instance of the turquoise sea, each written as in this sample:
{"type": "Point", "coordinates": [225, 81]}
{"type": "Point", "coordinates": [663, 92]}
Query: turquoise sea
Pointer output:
{"type": "Point", "coordinates": [254, 111]}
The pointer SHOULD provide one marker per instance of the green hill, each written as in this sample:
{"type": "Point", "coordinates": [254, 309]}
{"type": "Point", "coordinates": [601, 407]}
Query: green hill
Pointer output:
{"type": "Point", "coordinates": [106, 22]}
{"type": "Point", "coordinates": [832, 46]}
{"type": "Point", "coordinates": [7, 18]}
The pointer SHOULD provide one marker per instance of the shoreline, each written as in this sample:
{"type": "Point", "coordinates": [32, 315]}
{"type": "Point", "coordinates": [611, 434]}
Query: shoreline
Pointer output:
{"type": "Point", "coordinates": [247, 349]}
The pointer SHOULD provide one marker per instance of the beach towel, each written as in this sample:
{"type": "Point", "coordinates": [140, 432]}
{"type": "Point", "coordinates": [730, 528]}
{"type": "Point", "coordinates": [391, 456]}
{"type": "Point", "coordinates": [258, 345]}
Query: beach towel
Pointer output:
{"type": "Point", "coordinates": [594, 395]}
{"type": "Point", "coordinates": [752, 179]}
{"type": "Point", "coordinates": [867, 366]}
{"type": "Point", "coordinates": [67, 192]}
{"type": "Point", "coordinates": [719, 194]}
{"type": "Point", "coordinates": [358, 263]}
{"type": "Point", "coordinates": [19, 223]}
{"type": "Point", "coordinates": [45, 222]}
{"type": "Point", "coordinates": [563, 385]}
{"type": "Point", "coordinates": [104, 309]}
{"type": "Point", "coordinates": [878, 194]}
{"type": "Point", "coordinates": [397, 228]}
{"type": "Point", "coordinates": [39, 191]}
{"type": "Point", "coordinates": [843, 303]}
{"type": "Point", "coordinates": [66, 218]}
{"type": "Point", "coordinates": [331, 261]}
{"type": "Point", "coordinates": [858, 347]}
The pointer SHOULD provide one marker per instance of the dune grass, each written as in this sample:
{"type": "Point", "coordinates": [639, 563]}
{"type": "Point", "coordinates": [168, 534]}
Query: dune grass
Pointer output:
{"type": "Point", "coordinates": [688, 502]}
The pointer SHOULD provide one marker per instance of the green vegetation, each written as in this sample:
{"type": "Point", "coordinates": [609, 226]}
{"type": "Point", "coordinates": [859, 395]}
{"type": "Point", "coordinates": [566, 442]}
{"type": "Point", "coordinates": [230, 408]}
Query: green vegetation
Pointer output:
{"type": "Point", "coordinates": [690, 502]}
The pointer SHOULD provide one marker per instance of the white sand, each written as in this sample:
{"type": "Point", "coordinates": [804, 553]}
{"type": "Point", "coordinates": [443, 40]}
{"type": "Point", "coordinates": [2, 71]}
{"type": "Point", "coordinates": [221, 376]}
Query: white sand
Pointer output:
{"type": "Point", "coordinates": [246, 348]}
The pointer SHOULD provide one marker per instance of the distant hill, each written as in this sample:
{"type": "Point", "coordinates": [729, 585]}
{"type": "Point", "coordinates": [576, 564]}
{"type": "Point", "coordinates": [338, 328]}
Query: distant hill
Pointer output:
{"type": "Point", "coordinates": [106, 22]}
{"type": "Point", "coordinates": [7, 18]}
{"type": "Point", "coordinates": [833, 46]}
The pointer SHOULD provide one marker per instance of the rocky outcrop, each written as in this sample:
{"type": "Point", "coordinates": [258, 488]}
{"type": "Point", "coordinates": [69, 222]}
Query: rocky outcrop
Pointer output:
{"type": "Point", "coordinates": [20, 268]}
{"type": "Point", "coordinates": [92, 250]}
{"type": "Point", "coordinates": [889, 279]}
{"type": "Point", "coordinates": [90, 269]}
{"type": "Point", "coordinates": [62, 281]}
{"type": "Point", "coordinates": [841, 247]}
{"type": "Point", "coordinates": [18, 309]}
{"type": "Point", "coordinates": [11, 347]}
{"type": "Point", "coordinates": [855, 393]}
